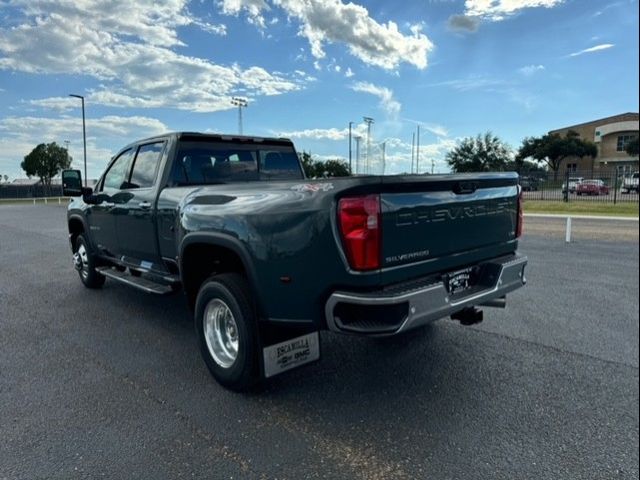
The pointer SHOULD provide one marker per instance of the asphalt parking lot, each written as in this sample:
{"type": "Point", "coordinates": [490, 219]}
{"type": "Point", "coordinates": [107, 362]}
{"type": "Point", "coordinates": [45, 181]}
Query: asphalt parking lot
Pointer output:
{"type": "Point", "coordinates": [110, 384]}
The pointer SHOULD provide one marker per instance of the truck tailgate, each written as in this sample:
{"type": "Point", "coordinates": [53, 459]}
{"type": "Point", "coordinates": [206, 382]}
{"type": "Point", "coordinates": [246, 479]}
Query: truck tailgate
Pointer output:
{"type": "Point", "coordinates": [445, 216]}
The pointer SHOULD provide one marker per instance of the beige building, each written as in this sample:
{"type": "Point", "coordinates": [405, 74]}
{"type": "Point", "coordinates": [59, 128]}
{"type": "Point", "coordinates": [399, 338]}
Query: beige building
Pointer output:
{"type": "Point", "coordinates": [610, 135]}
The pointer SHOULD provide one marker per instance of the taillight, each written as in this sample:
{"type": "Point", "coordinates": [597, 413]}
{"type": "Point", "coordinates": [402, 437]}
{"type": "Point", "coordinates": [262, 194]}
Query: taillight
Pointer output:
{"type": "Point", "coordinates": [360, 225]}
{"type": "Point", "coordinates": [520, 220]}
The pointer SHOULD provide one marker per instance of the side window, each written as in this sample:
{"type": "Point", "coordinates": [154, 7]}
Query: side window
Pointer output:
{"type": "Point", "coordinates": [119, 171]}
{"type": "Point", "coordinates": [146, 165]}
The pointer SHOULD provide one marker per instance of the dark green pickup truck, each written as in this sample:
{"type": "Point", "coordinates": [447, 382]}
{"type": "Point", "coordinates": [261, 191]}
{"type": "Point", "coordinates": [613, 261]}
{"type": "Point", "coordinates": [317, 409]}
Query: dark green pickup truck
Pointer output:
{"type": "Point", "coordinates": [267, 258]}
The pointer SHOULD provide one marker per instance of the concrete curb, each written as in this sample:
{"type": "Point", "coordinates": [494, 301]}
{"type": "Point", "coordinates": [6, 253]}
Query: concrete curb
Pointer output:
{"type": "Point", "coordinates": [583, 217]}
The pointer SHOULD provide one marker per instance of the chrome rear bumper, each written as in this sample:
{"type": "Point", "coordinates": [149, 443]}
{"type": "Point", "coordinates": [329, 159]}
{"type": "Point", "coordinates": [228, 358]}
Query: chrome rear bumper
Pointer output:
{"type": "Point", "coordinates": [389, 313]}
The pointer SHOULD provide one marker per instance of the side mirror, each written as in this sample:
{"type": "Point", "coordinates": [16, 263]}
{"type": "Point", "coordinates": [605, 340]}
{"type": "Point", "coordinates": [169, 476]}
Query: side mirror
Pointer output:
{"type": "Point", "coordinates": [72, 183]}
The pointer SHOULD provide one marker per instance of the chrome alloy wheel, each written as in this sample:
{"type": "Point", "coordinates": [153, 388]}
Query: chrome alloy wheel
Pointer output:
{"type": "Point", "coordinates": [81, 261]}
{"type": "Point", "coordinates": [221, 333]}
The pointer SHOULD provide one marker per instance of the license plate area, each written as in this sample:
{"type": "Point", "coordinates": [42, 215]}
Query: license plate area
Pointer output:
{"type": "Point", "coordinates": [463, 281]}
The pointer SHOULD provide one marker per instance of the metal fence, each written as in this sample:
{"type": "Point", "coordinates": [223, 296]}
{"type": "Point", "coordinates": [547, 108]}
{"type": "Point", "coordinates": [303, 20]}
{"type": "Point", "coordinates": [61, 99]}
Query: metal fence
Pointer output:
{"type": "Point", "coordinates": [610, 187]}
{"type": "Point", "coordinates": [572, 186]}
{"type": "Point", "coordinates": [29, 191]}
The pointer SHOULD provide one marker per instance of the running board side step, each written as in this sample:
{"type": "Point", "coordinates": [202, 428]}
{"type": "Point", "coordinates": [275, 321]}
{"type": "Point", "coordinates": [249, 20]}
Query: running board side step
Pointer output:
{"type": "Point", "coordinates": [140, 283]}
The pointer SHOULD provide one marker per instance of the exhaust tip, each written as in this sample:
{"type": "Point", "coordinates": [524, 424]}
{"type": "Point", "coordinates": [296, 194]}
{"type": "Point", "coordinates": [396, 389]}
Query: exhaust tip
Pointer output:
{"type": "Point", "coordinates": [500, 302]}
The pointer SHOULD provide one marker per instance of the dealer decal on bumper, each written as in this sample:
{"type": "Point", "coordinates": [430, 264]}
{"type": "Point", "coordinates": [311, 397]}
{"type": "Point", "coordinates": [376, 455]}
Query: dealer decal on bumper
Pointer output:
{"type": "Point", "coordinates": [292, 353]}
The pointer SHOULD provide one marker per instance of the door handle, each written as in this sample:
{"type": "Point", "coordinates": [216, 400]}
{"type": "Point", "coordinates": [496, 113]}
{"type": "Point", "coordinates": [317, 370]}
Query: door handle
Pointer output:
{"type": "Point", "coordinates": [144, 205]}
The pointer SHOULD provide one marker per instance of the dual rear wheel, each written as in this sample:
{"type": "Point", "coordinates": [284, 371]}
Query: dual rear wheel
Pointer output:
{"type": "Point", "coordinates": [226, 325]}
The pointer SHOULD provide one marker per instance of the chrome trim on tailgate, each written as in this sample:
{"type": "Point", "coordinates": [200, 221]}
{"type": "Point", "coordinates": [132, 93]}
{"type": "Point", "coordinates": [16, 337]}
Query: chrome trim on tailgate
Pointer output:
{"type": "Point", "coordinates": [433, 301]}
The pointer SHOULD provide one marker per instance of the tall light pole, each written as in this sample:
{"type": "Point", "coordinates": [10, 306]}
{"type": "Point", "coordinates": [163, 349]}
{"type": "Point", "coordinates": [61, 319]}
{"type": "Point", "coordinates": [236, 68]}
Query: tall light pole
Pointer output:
{"type": "Point", "coordinates": [413, 148]}
{"type": "Point", "coordinates": [350, 169]}
{"type": "Point", "coordinates": [84, 136]}
{"type": "Point", "coordinates": [418, 151]}
{"type": "Point", "coordinates": [357, 138]}
{"type": "Point", "coordinates": [368, 121]}
{"type": "Point", "coordinates": [240, 103]}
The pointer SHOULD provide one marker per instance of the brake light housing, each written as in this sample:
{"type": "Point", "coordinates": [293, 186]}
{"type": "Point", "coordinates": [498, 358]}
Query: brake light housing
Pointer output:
{"type": "Point", "coordinates": [360, 224]}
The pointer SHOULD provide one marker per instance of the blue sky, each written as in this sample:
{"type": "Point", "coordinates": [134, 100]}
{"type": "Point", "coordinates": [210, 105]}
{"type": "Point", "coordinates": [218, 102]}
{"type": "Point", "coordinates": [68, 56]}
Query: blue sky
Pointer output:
{"type": "Point", "coordinates": [308, 68]}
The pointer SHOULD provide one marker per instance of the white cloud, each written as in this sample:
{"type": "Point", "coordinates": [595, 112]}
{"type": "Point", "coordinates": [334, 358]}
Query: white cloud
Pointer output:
{"type": "Point", "coordinates": [597, 48]}
{"type": "Point", "coordinates": [253, 8]}
{"type": "Point", "coordinates": [215, 29]}
{"type": "Point", "coordinates": [349, 73]}
{"type": "Point", "coordinates": [474, 82]}
{"type": "Point", "coordinates": [318, 134]}
{"type": "Point", "coordinates": [154, 22]}
{"type": "Point", "coordinates": [51, 129]}
{"type": "Point", "coordinates": [529, 70]}
{"type": "Point", "coordinates": [19, 135]}
{"type": "Point", "coordinates": [496, 10]}
{"type": "Point", "coordinates": [129, 52]}
{"type": "Point", "coordinates": [387, 101]}
{"type": "Point", "coordinates": [437, 130]}
{"type": "Point", "coordinates": [331, 21]}
{"type": "Point", "coordinates": [61, 104]}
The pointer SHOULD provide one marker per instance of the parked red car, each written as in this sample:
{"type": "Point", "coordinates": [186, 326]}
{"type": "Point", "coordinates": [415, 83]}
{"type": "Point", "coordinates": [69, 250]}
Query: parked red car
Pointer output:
{"type": "Point", "coordinates": [592, 187]}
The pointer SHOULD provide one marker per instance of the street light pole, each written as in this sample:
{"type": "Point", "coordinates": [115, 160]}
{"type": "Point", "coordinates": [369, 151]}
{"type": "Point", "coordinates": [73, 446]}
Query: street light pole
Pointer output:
{"type": "Point", "coordinates": [357, 139]}
{"type": "Point", "coordinates": [350, 169]}
{"type": "Point", "coordinates": [84, 136]}
{"type": "Point", "coordinates": [368, 121]}
{"type": "Point", "coordinates": [240, 103]}
{"type": "Point", "coordinates": [413, 148]}
{"type": "Point", "coordinates": [418, 151]}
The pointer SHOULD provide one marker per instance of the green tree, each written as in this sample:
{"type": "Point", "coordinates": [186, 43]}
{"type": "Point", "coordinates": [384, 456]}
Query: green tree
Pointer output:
{"type": "Point", "coordinates": [308, 165]}
{"type": "Point", "coordinates": [632, 147]}
{"type": "Point", "coordinates": [328, 168]}
{"type": "Point", "coordinates": [483, 153]}
{"type": "Point", "coordinates": [333, 168]}
{"type": "Point", "coordinates": [524, 166]}
{"type": "Point", "coordinates": [46, 161]}
{"type": "Point", "coordinates": [553, 148]}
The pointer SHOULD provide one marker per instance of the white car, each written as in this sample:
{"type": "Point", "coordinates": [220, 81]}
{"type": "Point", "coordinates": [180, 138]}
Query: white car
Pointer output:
{"type": "Point", "coordinates": [630, 184]}
{"type": "Point", "coordinates": [573, 184]}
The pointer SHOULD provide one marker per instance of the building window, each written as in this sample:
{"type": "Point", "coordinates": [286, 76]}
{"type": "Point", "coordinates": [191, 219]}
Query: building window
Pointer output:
{"type": "Point", "coordinates": [572, 167]}
{"type": "Point", "coordinates": [622, 142]}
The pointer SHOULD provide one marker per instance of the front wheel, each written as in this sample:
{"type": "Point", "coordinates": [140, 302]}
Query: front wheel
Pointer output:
{"type": "Point", "coordinates": [226, 326]}
{"type": "Point", "coordinates": [85, 262]}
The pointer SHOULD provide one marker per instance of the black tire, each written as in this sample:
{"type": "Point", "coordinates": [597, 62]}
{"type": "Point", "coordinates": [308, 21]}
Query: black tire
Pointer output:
{"type": "Point", "coordinates": [89, 277]}
{"type": "Point", "coordinates": [233, 291]}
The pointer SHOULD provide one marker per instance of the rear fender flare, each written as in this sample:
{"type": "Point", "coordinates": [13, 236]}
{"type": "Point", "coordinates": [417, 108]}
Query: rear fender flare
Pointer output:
{"type": "Point", "coordinates": [225, 241]}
